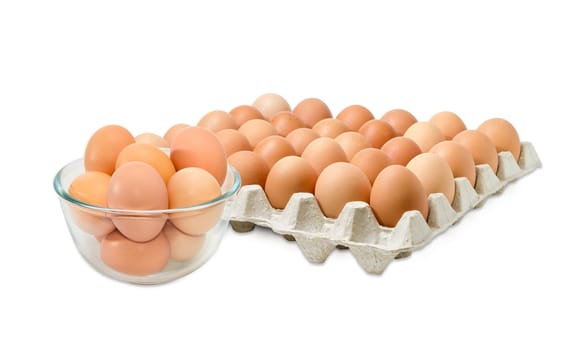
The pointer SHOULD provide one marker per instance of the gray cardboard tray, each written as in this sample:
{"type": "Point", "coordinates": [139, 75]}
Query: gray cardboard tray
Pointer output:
{"type": "Point", "coordinates": [356, 228]}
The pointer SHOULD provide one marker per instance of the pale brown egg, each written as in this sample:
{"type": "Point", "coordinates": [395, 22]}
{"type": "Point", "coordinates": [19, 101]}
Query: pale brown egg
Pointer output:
{"type": "Point", "coordinates": [148, 154]}
{"type": "Point", "coordinates": [480, 146]}
{"type": "Point", "coordinates": [399, 119]}
{"type": "Point", "coordinates": [256, 130]}
{"type": "Point", "coordinates": [134, 258]}
{"type": "Point", "coordinates": [338, 184]}
{"type": "Point", "coordinates": [103, 148]}
{"type": "Point", "coordinates": [189, 187]}
{"type": "Point", "coordinates": [199, 147]}
{"type": "Point", "coordinates": [449, 124]}
{"type": "Point", "coordinates": [183, 247]}
{"type": "Point", "coordinates": [301, 138]}
{"type": "Point", "coordinates": [285, 122]}
{"type": "Point", "coordinates": [273, 148]}
{"type": "Point", "coordinates": [252, 168]}
{"type": "Point", "coordinates": [152, 139]}
{"type": "Point", "coordinates": [173, 131]}
{"type": "Point", "coordinates": [377, 132]}
{"type": "Point", "coordinates": [458, 158]}
{"type": "Point", "coordinates": [395, 191]}
{"type": "Point", "coordinates": [271, 103]}
{"type": "Point", "coordinates": [289, 175]}
{"type": "Point", "coordinates": [322, 152]}
{"type": "Point", "coordinates": [330, 127]}
{"type": "Point", "coordinates": [434, 173]}
{"type": "Point", "coordinates": [425, 135]}
{"type": "Point", "coordinates": [371, 161]}
{"type": "Point", "coordinates": [137, 186]}
{"type": "Point", "coordinates": [503, 135]}
{"type": "Point", "coordinates": [352, 142]}
{"type": "Point", "coordinates": [217, 120]}
{"type": "Point", "coordinates": [233, 141]}
{"type": "Point", "coordinates": [355, 116]}
{"type": "Point", "coordinates": [311, 110]}
{"type": "Point", "coordinates": [400, 150]}
{"type": "Point", "coordinates": [91, 188]}
{"type": "Point", "coordinates": [243, 113]}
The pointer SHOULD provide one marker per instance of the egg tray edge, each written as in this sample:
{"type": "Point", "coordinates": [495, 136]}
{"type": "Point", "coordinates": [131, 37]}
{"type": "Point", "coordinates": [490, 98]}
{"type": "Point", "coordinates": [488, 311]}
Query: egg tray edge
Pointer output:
{"type": "Point", "coordinates": [374, 246]}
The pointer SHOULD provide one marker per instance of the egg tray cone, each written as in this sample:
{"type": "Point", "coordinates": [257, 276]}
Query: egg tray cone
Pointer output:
{"type": "Point", "coordinates": [356, 228]}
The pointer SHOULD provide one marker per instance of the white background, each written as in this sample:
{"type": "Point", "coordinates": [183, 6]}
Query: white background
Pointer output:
{"type": "Point", "coordinates": [509, 275]}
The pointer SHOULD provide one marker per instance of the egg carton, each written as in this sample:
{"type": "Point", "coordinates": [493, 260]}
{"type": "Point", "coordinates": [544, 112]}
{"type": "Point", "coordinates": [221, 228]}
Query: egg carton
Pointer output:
{"type": "Point", "coordinates": [356, 228]}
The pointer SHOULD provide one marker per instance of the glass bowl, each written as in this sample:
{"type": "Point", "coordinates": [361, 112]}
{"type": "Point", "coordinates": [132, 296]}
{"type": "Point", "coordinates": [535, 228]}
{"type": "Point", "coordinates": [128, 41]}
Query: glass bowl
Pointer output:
{"type": "Point", "coordinates": [89, 224]}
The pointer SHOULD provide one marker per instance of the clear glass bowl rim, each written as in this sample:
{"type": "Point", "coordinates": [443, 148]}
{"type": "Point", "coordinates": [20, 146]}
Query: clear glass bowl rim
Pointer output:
{"type": "Point", "coordinates": [62, 192]}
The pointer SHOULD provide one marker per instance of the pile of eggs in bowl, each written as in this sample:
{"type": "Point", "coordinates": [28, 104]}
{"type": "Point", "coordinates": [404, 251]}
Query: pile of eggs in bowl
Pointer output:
{"type": "Point", "coordinates": [147, 205]}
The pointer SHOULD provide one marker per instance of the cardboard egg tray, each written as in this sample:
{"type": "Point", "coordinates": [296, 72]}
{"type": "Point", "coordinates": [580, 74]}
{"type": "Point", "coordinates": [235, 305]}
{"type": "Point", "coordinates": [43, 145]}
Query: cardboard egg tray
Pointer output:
{"type": "Point", "coordinates": [374, 246]}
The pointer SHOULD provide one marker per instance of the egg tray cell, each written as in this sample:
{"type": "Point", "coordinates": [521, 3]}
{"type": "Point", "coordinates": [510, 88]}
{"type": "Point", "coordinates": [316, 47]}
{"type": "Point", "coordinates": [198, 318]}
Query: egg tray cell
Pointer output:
{"type": "Point", "coordinates": [356, 228]}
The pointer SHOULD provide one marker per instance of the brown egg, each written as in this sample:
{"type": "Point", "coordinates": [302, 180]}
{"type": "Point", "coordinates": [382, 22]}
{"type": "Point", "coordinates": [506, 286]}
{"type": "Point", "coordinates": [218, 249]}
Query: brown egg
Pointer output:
{"type": "Point", "coordinates": [243, 113]}
{"type": "Point", "coordinates": [434, 173]}
{"type": "Point", "coordinates": [199, 147]}
{"type": "Point", "coordinates": [289, 175]}
{"type": "Point", "coordinates": [301, 138]}
{"type": "Point", "coordinates": [322, 152]}
{"type": "Point", "coordinates": [338, 184]}
{"type": "Point", "coordinates": [352, 142]}
{"type": "Point", "coordinates": [355, 116]}
{"type": "Point", "coordinates": [503, 135]}
{"type": "Point", "coordinates": [173, 131]}
{"type": "Point", "coordinates": [251, 167]}
{"type": "Point", "coordinates": [233, 141]}
{"type": "Point", "coordinates": [330, 128]}
{"type": "Point", "coordinates": [270, 104]}
{"type": "Point", "coordinates": [371, 161]}
{"type": "Point", "coordinates": [400, 150]}
{"type": "Point", "coordinates": [134, 258]}
{"type": "Point", "coordinates": [377, 132]}
{"type": "Point", "coordinates": [311, 110]}
{"type": "Point", "coordinates": [425, 135]}
{"type": "Point", "coordinates": [395, 191]}
{"type": "Point", "coordinates": [137, 186]}
{"type": "Point", "coordinates": [449, 124]}
{"type": "Point", "coordinates": [152, 139]}
{"type": "Point", "coordinates": [480, 146]}
{"type": "Point", "coordinates": [399, 119]}
{"type": "Point", "coordinates": [217, 120]}
{"type": "Point", "coordinates": [285, 122]}
{"type": "Point", "coordinates": [256, 130]}
{"type": "Point", "coordinates": [273, 148]}
{"type": "Point", "coordinates": [103, 148]}
{"type": "Point", "coordinates": [190, 187]}
{"type": "Point", "coordinates": [91, 188]}
{"type": "Point", "coordinates": [458, 158]}
{"type": "Point", "coordinates": [148, 154]}
{"type": "Point", "coordinates": [183, 247]}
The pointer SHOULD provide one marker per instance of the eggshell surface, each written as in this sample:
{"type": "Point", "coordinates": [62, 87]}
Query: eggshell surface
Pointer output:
{"type": "Point", "coordinates": [338, 184]}
{"type": "Point", "coordinates": [134, 258]}
{"type": "Point", "coordinates": [503, 135]}
{"type": "Point", "coordinates": [103, 148]}
{"type": "Point", "coordinates": [395, 191]}
{"type": "Point", "coordinates": [434, 173]}
{"type": "Point", "coordinates": [199, 147]}
{"type": "Point", "coordinates": [137, 186]}
{"type": "Point", "coordinates": [289, 175]}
